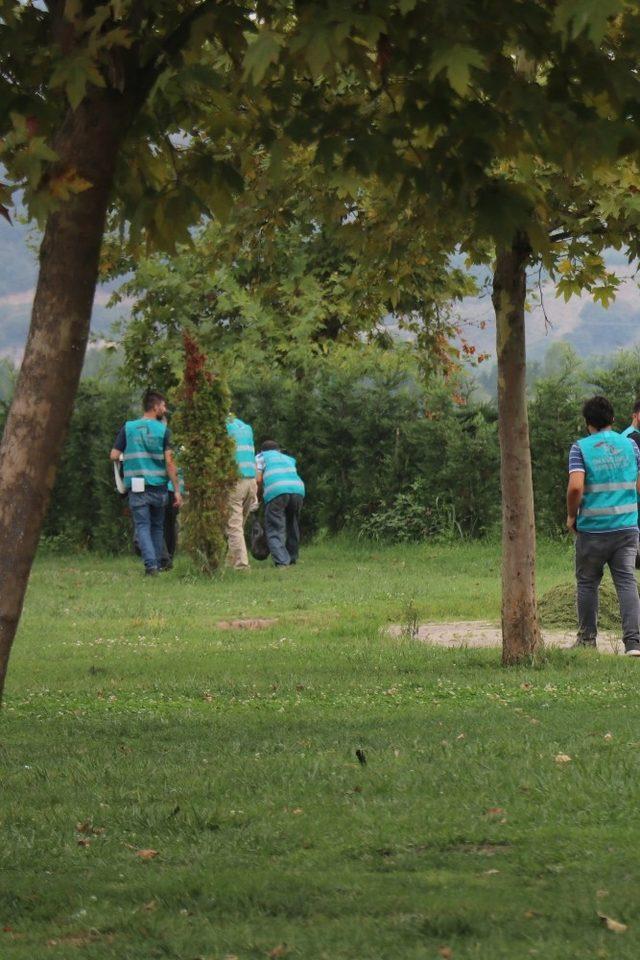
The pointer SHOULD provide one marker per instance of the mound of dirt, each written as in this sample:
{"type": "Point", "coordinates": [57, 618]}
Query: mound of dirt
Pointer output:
{"type": "Point", "coordinates": [557, 607]}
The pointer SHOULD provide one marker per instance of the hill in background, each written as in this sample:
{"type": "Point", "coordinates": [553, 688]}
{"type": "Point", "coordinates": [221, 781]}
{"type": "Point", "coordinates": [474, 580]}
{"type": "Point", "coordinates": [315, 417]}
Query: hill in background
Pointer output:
{"type": "Point", "coordinates": [586, 326]}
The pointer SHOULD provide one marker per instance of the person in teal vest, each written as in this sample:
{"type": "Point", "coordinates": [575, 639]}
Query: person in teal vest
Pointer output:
{"type": "Point", "coordinates": [283, 495]}
{"type": "Point", "coordinates": [243, 498]}
{"type": "Point", "coordinates": [602, 512]}
{"type": "Point", "coordinates": [170, 524]}
{"type": "Point", "coordinates": [145, 446]}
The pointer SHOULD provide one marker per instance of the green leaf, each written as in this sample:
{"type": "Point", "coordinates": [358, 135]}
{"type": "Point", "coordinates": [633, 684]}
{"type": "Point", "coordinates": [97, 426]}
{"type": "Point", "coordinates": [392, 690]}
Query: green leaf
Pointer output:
{"type": "Point", "coordinates": [572, 17]}
{"type": "Point", "coordinates": [261, 53]}
{"type": "Point", "coordinates": [457, 62]}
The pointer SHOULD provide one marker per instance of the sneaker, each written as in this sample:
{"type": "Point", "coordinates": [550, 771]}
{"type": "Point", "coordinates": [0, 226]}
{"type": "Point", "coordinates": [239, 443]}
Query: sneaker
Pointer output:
{"type": "Point", "coordinates": [632, 648]}
{"type": "Point", "coordinates": [151, 572]}
{"type": "Point", "coordinates": [584, 642]}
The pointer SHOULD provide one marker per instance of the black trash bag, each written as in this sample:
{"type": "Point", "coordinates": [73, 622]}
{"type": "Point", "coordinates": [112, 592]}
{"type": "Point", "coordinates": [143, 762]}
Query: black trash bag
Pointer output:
{"type": "Point", "coordinates": [259, 548]}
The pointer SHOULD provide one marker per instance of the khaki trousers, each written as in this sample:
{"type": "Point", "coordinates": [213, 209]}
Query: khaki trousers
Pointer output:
{"type": "Point", "coordinates": [242, 500]}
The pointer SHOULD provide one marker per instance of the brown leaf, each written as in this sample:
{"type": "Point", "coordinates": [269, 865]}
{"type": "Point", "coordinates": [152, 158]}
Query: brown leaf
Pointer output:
{"type": "Point", "coordinates": [84, 842]}
{"type": "Point", "coordinates": [147, 854]}
{"type": "Point", "coordinates": [445, 952]}
{"type": "Point", "coordinates": [562, 758]}
{"type": "Point", "coordinates": [608, 736]}
{"type": "Point", "coordinates": [494, 811]}
{"type": "Point", "coordinates": [613, 925]}
{"type": "Point", "coordinates": [280, 951]}
{"type": "Point", "coordinates": [150, 906]}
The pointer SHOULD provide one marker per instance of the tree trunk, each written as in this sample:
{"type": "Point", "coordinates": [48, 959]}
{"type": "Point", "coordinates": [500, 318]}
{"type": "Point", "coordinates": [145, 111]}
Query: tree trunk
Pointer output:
{"type": "Point", "coordinates": [520, 628]}
{"type": "Point", "coordinates": [88, 142]}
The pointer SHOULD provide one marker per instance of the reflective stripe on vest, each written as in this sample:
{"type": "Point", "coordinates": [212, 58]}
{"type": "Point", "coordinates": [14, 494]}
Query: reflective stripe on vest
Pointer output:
{"type": "Point", "coordinates": [242, 435]}
{"type": "Point", "coordinates": [144, 454]}
{"type": "Point", "coordinates": [280, 475]}
{"type": "Point", "coordinates": [610, 499]}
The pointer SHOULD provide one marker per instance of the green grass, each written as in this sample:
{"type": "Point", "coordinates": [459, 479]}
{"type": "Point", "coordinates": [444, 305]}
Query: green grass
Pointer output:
{"type": "Point", "coordinates": [232, 753]}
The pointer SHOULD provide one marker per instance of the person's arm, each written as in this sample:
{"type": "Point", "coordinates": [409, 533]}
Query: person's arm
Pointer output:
{"type": "Point", "coordinates": [575, 491]}
{"type": "Point", "coordinates": [119, 445]}
{"type": "Point", "coordinates": [575, 488]}
{"type": "Point", "coordinates": [259, 472]}
{"type": "Point", "coordinates": [173, 476]}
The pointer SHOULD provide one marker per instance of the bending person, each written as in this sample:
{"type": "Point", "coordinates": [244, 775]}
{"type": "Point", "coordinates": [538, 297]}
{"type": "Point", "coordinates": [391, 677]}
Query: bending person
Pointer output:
{"type": "Point", "coordinates": [283, 494]}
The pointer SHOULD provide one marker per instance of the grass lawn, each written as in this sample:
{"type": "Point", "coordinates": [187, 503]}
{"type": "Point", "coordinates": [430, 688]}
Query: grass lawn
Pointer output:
{"type": "Point", "coordinates": [134, 723]}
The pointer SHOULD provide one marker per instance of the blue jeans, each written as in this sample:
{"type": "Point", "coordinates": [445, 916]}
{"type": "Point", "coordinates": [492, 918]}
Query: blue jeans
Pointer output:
{"type": "Point", "coordinates": [282, 527]}
{"type": "Point", "coordinates": [147, 510]}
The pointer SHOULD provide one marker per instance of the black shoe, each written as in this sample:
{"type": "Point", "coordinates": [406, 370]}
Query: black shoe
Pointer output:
{"type": "Point", "coordinates": [584, 642]}
{"type": "Point", "coordinates": [151, 572]}
{"type": "Point", "coordinates": [168, 565]}
{"type": "Point", "coordinates": [632, 648]}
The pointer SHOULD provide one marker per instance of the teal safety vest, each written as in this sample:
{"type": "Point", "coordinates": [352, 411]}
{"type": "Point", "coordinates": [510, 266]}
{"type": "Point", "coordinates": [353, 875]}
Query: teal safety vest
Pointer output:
{"type": "Point", "coordinates": [280, 475]}
{"type": "Point", "coordinates": [610, 499]}
{"type": "Point", "coordinates": [627, 433]}
{"type": "Point", "coordinates": [144, 452]}
{"type": "Point", "coordinates": [242, 435]}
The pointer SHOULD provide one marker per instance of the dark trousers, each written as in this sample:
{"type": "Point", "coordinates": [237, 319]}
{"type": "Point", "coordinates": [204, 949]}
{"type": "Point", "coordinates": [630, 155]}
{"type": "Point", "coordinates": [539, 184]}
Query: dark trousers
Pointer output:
{"type": "Point", "coordinates": [282, 527]}
{"type": "Point", "coordinates": [618, 550]}
{"type": "Point", "coordinates": [170, 529]}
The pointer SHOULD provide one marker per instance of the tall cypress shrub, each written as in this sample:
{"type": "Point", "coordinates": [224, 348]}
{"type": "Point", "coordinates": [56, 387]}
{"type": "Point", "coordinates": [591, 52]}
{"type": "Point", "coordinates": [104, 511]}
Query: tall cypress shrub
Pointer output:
{"type": "Point", "coordinates": [206, 454]}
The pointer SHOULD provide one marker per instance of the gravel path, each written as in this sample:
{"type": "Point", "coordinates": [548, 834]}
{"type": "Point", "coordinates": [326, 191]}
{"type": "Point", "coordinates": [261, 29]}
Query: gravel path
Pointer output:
{"type": "Point", "coordinates": [481, 633]}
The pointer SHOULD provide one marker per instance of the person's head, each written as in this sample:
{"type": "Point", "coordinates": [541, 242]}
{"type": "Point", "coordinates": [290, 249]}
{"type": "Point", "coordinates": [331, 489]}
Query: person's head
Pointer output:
{"type": "Point", "coordinates": [635, 414]}
{"type": "Point", "coordinates": [598, 414]}
{"type": "Point", "coordinates": [155, 404]}
{"type": "Point", "coordinates": [269, 445]}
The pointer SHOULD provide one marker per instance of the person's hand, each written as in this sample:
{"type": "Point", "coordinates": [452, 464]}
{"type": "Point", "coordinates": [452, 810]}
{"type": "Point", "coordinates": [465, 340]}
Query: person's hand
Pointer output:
{"type": "Point", "coordinates": [177, 499]}
{"type": "Point", "coordinates": [571, 525]}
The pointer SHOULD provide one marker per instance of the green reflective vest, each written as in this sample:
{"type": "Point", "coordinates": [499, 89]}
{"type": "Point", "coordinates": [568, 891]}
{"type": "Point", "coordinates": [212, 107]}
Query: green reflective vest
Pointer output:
{"type": "Point", "coordinates": [242, 434]}
{"type": "Point", "coordinates": [144, 452]}
{"type": "Point", "coordinates": [611, 474]}
{"type": "Point", "coordinates": [279, 475]}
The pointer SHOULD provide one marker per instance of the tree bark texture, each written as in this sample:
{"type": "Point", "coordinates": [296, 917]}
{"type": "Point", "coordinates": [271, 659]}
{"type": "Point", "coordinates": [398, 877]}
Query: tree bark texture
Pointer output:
{"type": "Point", "coordinates": [88, 142]}
{"type": "Point", "coordinates": [521, 637]}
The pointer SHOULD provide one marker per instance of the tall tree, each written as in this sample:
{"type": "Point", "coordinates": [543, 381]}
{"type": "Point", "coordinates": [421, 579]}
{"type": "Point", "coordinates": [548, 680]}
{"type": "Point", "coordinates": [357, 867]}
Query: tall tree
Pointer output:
{"type": "Point", "coordinates": [104, 106]}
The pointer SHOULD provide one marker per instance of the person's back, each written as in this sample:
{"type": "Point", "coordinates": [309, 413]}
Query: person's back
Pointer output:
{"type": "Point", "coordinates": [144, 456]}
{"type": "Point", "coordinates": [242, 434]}
{"type": "Point", "coordinates": [279, 475]}
{"type": "Point", "coordinates": [610, 486]}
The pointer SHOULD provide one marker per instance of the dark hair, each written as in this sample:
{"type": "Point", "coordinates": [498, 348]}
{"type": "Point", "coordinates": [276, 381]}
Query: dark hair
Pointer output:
{"type": "Point", "coordinates": [151, 398]}
{"type": "Point", "coordinates": [598, 412]}
{"type": "Point", "coordinates": [269, 445]}
{"type": "Point", "coordinates": [636, 406]}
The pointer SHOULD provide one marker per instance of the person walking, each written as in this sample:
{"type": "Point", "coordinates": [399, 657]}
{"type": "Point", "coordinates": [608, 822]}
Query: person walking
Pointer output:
{"type": "Point", "coordinates": [145, 445]}
{"type": "Point", "coordinates": [243, 498]}
{"type": "Point", "coordinates": [283, 494]}
{"type": "Point", "coordinates": [602, 512]}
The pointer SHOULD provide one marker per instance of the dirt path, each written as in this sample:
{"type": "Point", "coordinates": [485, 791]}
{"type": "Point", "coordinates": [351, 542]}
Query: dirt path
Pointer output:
{"type": "Point", "coordinates": [481, 633]}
